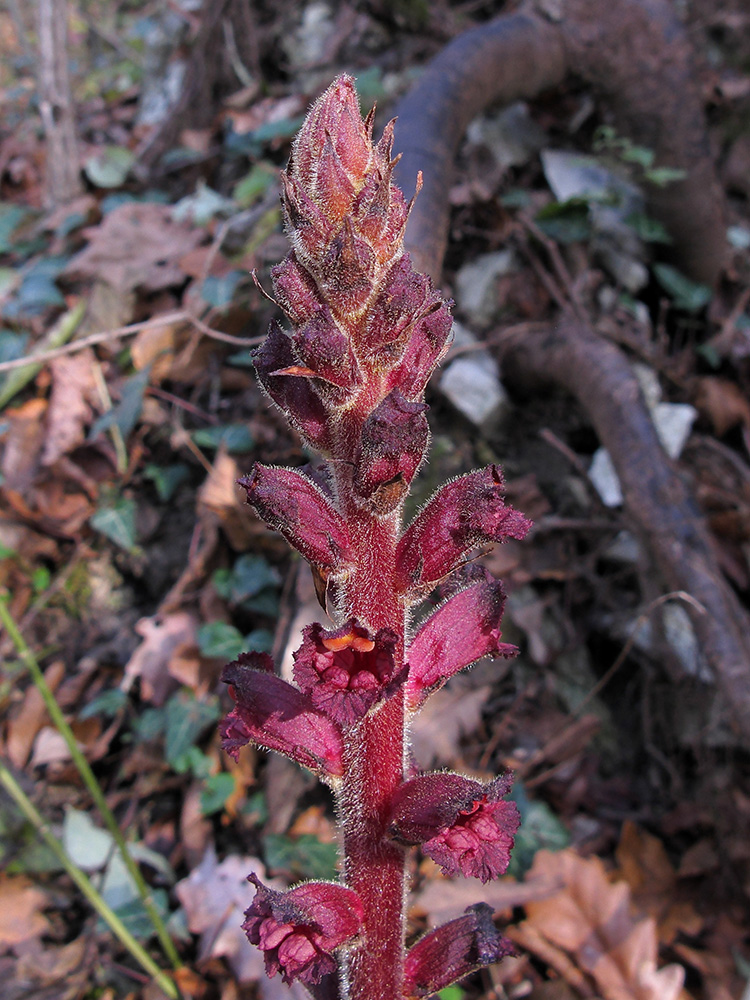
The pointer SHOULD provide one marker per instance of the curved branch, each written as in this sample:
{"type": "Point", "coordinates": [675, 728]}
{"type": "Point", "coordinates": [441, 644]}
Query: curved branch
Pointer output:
{"type": "Point", "coordinates": [658, 503]}
{"type": "Point", "coordinates": [637, 58]}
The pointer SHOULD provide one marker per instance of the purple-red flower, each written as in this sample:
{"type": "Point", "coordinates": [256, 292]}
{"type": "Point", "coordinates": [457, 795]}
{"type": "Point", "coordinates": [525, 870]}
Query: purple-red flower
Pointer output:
{"type": "Point", "coordinates": [297, 508]}
{"type": "Point", "coordinates": [452, 951]}
{"type": "Point", "coordinates": [465, 513]}
{"type": "Point", "coordinates": [462, 630]}
{"type": "Point", "coordinates": [276, 715]}
{"type": "Point", "coordinates": [393, 445]}
{"type": "Point", "coordinates": [463, 825]}
{"type": "Point", "coordinates": [299, 930]}
{"type": "Point", "coordinates": [345, 672]}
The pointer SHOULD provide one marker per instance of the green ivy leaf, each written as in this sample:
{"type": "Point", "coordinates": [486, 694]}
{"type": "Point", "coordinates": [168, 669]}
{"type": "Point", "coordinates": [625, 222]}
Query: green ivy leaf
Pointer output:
{"type": "Point", "coordinates": [186, 718]}
{"type": "Point", "coordinates": [166, 478]}
{"type": "Point", "coordinates": [301, 857]}
{"type": "Point", "coordinates": [648, 229]}
{"type": "Point", "coordinates": [220, 640]}
{"type": "Point", "coordinates": [236, 438]}
{"type": "Point", "coordinates": [107, 704]}
{"type": "Point", "coordinates": [126, 413]}
{"type": "Point", "coordinates": [215, 793]}
{"type": "Point", "coordinates": [117, 523]}
{"type": "Point", "coordinates": [565, 221]}
{"type": "Point", "coordinates": [220, 291]}
{"type": "Point", "coordinates": [254, 185]}
{"type": "Point", "coordinates": [686, 294]}
{"type": "Point", "coordinates": [663, 176]}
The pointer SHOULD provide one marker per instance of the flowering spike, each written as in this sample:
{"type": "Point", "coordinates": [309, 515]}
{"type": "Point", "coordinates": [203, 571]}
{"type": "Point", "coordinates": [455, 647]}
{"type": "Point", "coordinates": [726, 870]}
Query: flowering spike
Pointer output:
{"type": "Point", "coordinates": [294, 506]}
{"type": "Point", "coordinates": [273, 714]}
{"type": "Point", "coordinates": [452, 951]}
{"type": "Point", "coordinates": [366, 334]}
{"type": "Point", "coordinates": [462, 630]}
{"type": "Point", "coordinates": [347, 671]}
{"type": "Point", "coordinates": [462, 515]}
{"type": "Point", "coordinates": [300, 930]}
{"type": "Point", "coordinates": [462, 824]}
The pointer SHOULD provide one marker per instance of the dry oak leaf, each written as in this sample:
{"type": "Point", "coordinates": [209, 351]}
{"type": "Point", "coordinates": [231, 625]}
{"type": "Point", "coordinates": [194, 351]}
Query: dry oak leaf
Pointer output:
{"type": "Point", "coordinates": [21, 904]}
{"type": "Point", "coordinates": [590, 919]}
{"type": "Point", "coordinates": [163, 636]}
{"type": "Point", "coordinates": [70, 405]}
{"type": "Point", "coordinates": [645, 866]}
{"type": "Point", "coordinates": [136, 246]}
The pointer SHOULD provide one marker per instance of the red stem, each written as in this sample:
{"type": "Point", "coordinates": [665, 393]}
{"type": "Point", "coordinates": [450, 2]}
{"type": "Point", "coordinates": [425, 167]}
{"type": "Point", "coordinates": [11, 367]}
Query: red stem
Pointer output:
{"type": "Point", "coordinates": [374, 768]}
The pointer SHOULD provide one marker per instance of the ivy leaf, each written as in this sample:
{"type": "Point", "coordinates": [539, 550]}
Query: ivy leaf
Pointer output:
{"type": "Point", "coordinates": [662, 176]}
{"type": "Point", "coordinates": [236, 438]}
{"type": "Point", "coordinates": [302, 857]}
{"type": "Point", "coordinates": [166, 478]}
{"type": "Point", "coordinates": [220, 641]}
{"type": "Point", "coordinates": [117, 523]}
{"type": "Point", "coordinates": [215, 793]}
{"type": "Point", "coordinates": [686, 294]}
{"type": "Point", "coordinates": [219, 291]}
{"type": "Point", "coordinates": [126, 413]}
{"type": "Point", "coordinates": [186, 718]}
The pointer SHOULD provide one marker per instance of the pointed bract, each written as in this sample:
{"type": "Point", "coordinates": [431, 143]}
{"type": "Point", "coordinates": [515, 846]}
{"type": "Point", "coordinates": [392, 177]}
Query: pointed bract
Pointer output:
{"type": "Point", "coordinates": [300, 930]}
{"type": "Point", "coordinates": [465, 826]}
{"type": "Point", "coordinates": [452, 951]}
{"type": "Point", "coordinates": [273, 714]}
{"type": "Point", "coordinates": [295, 396]}
{"type": "Point", "coordinates": [464, 629]}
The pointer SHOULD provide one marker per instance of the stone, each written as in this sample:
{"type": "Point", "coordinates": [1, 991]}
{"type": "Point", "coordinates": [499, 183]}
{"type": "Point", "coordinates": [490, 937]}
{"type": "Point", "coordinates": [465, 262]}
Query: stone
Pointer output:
{"type": "Point", "coordinates": [476, 285]}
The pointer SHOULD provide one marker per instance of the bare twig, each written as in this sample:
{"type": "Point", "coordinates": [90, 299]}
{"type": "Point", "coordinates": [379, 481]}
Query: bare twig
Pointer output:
{"type": "Point", "coordinates": [105, 336]}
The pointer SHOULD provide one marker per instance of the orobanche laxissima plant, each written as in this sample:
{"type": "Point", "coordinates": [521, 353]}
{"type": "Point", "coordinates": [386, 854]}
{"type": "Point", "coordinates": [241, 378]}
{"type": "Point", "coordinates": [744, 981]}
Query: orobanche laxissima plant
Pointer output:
{"type": "Point", "coordinates": [367, 331]}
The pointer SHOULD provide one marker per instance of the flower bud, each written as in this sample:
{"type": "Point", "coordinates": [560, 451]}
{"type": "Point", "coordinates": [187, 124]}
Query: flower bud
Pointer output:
{"type": "Point", "coordinates": [462, 630]}
{"type": "Point", "coordinates": [462, 515]}
{"type": "Point", "coordinates": [295, 507]}
{"type": "Point", "coordinates": [452, 951]}
{"type": "Point", "coordinates": [297, 397]}
{"type": "Point", "coordinates": [393, 445]}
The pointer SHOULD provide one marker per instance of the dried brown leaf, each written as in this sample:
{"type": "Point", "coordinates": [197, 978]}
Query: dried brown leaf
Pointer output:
{"type": "Point", "coordinates": [21, 904]}
{"type": "Point", "coordinates": [723, 402]}
{"type": "Point", "coordinates": [451, 713]}
{"type": "Point", "coordinates": [645, 866]}
{"type": "Point", "coordinates": [23, 444]}
{"type": "Point", "coordinates": [162, 636]}
{"type": "Point", "coordinates": [70, 405]}
{"type": "Point", "coordinates": [136, 246]}
{"type": "Point", "coordinates": [590, 919]}
{"type": "Point", "coordinates": [23, 727]}
{"type": "Point", "coordinates": [221, 497]}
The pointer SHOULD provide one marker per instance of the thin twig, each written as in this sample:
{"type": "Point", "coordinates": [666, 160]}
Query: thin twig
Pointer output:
{"type": "Point", "coordinates": [87, 775]}
{"type": "Point", "coordinates": [83, 882]}
{"type": "Point", "coordinates": [103, 337]}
